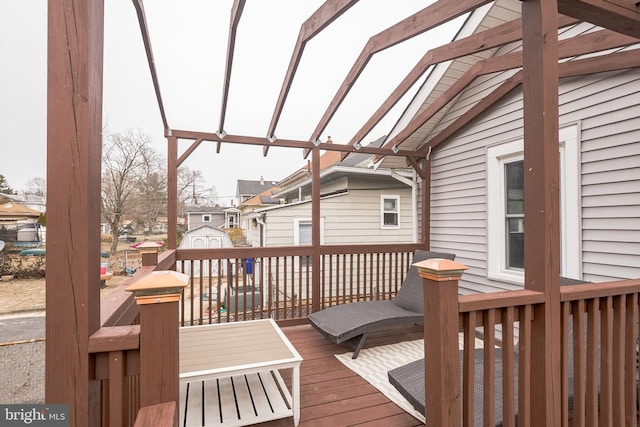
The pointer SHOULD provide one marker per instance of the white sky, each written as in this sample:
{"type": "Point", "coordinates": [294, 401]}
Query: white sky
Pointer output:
{"type": "Point", "coordinates": [189, 40]}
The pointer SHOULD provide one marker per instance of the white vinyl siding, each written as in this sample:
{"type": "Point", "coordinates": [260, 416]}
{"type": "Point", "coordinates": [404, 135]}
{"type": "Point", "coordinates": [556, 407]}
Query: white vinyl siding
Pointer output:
{"type": "Point", "coordinates": [606, 108]}
{"type": "Point", "coordinates": [349, 218]}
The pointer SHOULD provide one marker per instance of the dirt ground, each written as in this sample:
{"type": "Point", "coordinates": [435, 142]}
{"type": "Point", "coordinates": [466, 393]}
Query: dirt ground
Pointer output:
{"type": "Point", "coordinates": [29, 295]}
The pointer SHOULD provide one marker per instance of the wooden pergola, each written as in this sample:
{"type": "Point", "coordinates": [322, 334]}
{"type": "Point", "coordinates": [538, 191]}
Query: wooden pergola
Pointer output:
{"type": "Point", "coordinates": [74, 142]}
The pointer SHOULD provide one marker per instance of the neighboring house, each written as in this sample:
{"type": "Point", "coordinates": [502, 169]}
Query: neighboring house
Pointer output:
{"type": "Point", "coordinates": [30, 201]}
{"type": "Point", "coordinates": [358, 205]}
{"type": "Point", "coordinates": [477, 177]}
{"type": "Point", "coordinates": [213, 216]}
{"type": "Point", "coordinates": [19, 224]}
{"type": "Point", "coordinates": [249, 220]}
{"type": "Point", "coordinates": [247, 189]}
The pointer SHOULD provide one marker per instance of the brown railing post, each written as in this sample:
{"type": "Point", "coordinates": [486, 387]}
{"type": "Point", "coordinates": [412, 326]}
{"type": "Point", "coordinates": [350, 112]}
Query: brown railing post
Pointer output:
{"type": "Point", "coordinates": [158, 294]}
{"type": "Point", "coordinates": [149, 253]}
{"type": "Point", "coordinates": [441, 352]}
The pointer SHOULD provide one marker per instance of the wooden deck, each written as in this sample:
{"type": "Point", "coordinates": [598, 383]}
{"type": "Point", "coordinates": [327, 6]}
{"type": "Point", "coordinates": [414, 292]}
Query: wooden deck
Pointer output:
{"type": "Point", "coordinates": [331, 394]}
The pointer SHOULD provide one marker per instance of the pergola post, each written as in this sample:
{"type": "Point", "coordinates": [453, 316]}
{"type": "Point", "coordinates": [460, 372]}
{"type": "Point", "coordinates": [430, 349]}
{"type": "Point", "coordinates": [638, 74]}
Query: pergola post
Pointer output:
{"type": "Point", "coordinates": [172, 192]}
{"type": "Point", "coordinates": [74, 149]}
{"type": "Point", "coordinates": [315, 227]}
{"type": "Point", "coordinates": [542, 202]}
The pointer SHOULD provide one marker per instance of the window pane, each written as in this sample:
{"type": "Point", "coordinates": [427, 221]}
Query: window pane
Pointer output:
{"type": "Point", "coordinates": [304, 238]}
{"type": "Point", "coordinates": [389, 204]}
{"type": "Point", "coordinates": [390, 219]}
{"type": "Point", "coordinates": [515, 243]}
{"type": "Point", "coordinates": [514, 183]}
{"type": "Point", "coordinates": [304, 231]}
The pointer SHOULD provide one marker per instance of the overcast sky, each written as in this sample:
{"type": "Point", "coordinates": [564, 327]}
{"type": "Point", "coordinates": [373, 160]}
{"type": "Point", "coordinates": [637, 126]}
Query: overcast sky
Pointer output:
{"type": "Point", "coordinates": [189, 39]}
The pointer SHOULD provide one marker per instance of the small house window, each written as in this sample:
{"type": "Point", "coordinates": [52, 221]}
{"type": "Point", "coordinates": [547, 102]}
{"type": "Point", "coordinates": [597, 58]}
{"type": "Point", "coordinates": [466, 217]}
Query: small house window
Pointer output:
{"type": "Point", "coordinates": [390, 211]}
{"type": "Point", "coordinates": [206, 218]}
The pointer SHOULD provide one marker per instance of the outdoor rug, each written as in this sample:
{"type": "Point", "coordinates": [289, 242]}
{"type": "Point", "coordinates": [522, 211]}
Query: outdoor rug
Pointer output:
{"type": "Point", "coordinates": [373, 364]}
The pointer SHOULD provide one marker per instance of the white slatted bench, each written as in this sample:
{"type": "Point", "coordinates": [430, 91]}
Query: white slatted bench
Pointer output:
{"type": "Point", "coordinates": [229, 374]}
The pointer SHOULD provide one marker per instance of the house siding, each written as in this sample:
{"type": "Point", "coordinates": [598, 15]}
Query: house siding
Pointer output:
{"type": "Point", "coordinates": [345, 219]}
{"type": "Point", "coordinates": [195, 220]}
{"type": "Point", "coordinates": [606, 108]}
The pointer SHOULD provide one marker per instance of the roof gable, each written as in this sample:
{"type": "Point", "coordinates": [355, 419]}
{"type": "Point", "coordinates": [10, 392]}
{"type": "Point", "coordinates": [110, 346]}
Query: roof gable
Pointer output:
{"type": "Point", "coordinates": [12, 209]}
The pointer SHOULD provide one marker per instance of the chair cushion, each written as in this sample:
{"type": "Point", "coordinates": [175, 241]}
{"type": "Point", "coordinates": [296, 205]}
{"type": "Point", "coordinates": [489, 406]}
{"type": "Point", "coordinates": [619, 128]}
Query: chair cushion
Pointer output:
{"type": "Point", "coordinates": [410, 296]}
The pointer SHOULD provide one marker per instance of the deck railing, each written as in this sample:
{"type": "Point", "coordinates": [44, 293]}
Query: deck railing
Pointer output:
{"type": "Point", "coordinates": [600, 353]}
{"type": "Point", "coordinates": [277, 282]}
{"type": "Point", "coordinates": [599, 330]}
{"type": "Point", "coordinates": [115, 353]}
{"type": "Point", "coordinates": [599, 356]}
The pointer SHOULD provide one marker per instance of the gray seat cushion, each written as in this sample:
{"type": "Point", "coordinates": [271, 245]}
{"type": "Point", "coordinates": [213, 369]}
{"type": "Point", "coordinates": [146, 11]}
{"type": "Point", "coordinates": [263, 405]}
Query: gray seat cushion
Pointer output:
{"type": "Point", "coordinates": [346, 321]}
{"type": "Point", "coordinates": [410, 295]}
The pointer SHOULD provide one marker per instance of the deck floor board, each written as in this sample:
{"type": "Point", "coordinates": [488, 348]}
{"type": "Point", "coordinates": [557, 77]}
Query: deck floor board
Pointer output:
{"type": "Point", "coordinates": [333, 395]}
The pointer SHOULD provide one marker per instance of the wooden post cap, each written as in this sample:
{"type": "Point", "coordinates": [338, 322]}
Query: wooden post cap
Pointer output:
{"type": "Point", "coordinates": [150, 246]}
{"type": "Point", "coordinates": [440, 269]}
{"type": "Point", "coordinates": [159, 286]}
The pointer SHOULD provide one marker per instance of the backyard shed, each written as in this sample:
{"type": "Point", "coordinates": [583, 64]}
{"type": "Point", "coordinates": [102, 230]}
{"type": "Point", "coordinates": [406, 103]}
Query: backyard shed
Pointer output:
{"type": "Point", "coordinates": [205, 237]}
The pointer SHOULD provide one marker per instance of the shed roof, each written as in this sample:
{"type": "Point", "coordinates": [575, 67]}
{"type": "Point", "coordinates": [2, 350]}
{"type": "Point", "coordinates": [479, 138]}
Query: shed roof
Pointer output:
{"type": "Point", "coordinates": [14, 210]}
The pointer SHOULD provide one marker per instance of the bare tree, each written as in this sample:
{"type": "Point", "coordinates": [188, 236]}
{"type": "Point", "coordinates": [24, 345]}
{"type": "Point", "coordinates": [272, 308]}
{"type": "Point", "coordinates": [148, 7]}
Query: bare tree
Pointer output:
{"type": "Point", "coordinates": [37, 187]}
{"type": "Point", "coordinates": [124, 161]}
{"type": "Point", "coordinates": [152, 189]}
{"type": "Point", "coordinates": [192, 190]}
{"type": "Point", "coordinates": [134, 184]}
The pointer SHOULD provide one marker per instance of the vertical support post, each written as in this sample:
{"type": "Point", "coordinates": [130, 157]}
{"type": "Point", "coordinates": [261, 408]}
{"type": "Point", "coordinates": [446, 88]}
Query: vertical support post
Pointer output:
{"type": "Point", "coordinates": [425, 220]}
{"type": "Point", "coordinates": [542, 202]}
{"type": "Point", "coordinates": [158, 295]}
{"type": "Point", "coordinates": [441, 352]}
{"type": "Point", "coordinates": [172, 192]}
{"type": "Point", "coordinates": [315, 228]}
{"type": "Point", "coordinates": [74, 150]}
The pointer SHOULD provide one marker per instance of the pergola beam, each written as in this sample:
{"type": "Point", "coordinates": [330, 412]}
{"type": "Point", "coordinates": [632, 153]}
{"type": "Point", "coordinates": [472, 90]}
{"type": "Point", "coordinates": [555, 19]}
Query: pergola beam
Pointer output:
{"type": "Point", "coordinates": [428, 18]}
{"type": "Point", "coordinates": [236, 13]}
{"type": "Point", "coordinates": [288, 143]}
{"type": "Point", "coordinates": [623, 15]}
{"type": "Point", "coordinates": [598, 64]}
{"type": "Point", "coordinates": [144, 30]}
{"type": "Point", "coordinates": [476, 43]}
{"type": "Point", "coordinates": [579, 45]}
{"type": "Point", "coordinates": [321, 18]}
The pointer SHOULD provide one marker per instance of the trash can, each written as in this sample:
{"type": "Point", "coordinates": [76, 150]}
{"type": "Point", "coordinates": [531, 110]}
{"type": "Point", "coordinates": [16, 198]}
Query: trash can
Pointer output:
{"type": "Point", "coordinates": [248, 265]}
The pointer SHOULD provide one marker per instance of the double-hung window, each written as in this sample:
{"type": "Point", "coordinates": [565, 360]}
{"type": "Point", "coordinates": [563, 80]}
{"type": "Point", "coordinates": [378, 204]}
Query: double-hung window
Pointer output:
{"type": "Point", "coordinates": [390, 211]}
{"type": "Point", "coordinates": [505, 208]}
{"type": "Point", "coordinates": [302, 235]}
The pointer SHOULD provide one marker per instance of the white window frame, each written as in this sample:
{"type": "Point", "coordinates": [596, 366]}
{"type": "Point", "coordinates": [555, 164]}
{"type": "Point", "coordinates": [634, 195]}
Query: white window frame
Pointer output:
{"type": "Point", "coordinates": [296, 234]}
{"type": "Point", "coordinates": [296, 229]}
{"type": "Point", "coordinates": [497, 156]}
{"type": "Point", "coordinates": [206, 217]}
{"type": "Point", "coordinates": [384, 197]}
